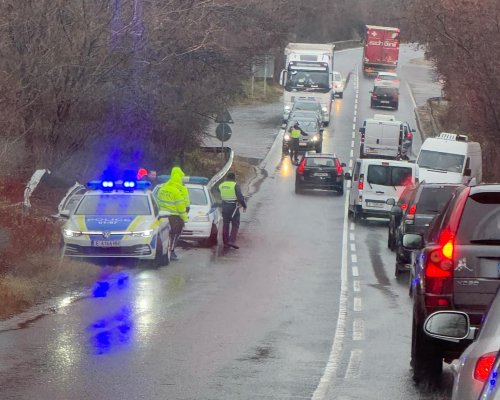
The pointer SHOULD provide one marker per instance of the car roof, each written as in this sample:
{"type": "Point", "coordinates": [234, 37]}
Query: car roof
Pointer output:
{"type": "Point", "coordinates": [388, 74]}
{"type": "Point", "coordinates": [310, 154]}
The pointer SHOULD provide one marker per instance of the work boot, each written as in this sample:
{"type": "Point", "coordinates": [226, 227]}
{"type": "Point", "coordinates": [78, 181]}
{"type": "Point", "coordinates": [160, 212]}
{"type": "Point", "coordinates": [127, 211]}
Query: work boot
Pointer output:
{"type": "Point", "coordinates": [173, 256]}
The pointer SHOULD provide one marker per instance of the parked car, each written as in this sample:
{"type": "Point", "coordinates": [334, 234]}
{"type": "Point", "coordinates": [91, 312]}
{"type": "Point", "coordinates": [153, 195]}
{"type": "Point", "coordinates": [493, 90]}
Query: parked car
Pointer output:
{"type": "Point", "coordinates": [413, 213]}
{"type": "Point", "coordinates": [314, 140]}
{"type": "Point", "coordinates": [338, 84]}
{"type": "Point", "coordinates": [457, 267]}
{"type": "Point", "coordinates": [382, 96]}
{"type": "Point", "coordinates": [473, 370]}
{"type": "Point", "coordinates": [320, 171]}
{"type": "Point", "coordinates": [387, 79]}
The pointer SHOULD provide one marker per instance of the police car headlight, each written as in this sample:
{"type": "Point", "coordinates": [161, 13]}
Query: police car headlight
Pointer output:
{"type": "Point", "coordinates": [286, 137]}
{"type": "Point", "coordinates": [201, 218]}
{"type": "Point", "coordinates": [71, 233]}
{"type": "Point", "coordinates": [146, 233]}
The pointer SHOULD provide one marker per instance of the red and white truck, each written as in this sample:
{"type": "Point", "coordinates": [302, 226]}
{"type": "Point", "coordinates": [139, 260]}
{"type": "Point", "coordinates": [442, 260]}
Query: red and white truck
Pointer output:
{"type": "Point", "coordinates": [381, 50]}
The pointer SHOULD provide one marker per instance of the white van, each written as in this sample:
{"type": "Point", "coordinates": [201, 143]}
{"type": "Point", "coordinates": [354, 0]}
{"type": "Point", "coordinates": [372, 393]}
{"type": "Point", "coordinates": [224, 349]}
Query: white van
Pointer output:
{"type": "Point", "coordinates": [450, 158]}
{"type": "Point", "coordinates": [384, 137]}
{"type": "Point", "coordinates": [374, 182]}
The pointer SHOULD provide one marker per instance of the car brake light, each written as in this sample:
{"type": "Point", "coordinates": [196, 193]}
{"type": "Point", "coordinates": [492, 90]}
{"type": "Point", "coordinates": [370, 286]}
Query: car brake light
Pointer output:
{"type": "Point", "coordinates": [361, 182]}
{"type": "Point", "coordinates": [302, 167]}
{"type": "Point", "coordinates": [404, 206]}
{"type": "Point", "coordinates": [483, 366]}
{"type": "Point", "coordinates": [374, 96]}
{"type": "Point", "coordinates": [408, 135]}
{"type": "Point", "coordinates": [411, 212]}
{"type": "Point", "coordinates": [340, 171]}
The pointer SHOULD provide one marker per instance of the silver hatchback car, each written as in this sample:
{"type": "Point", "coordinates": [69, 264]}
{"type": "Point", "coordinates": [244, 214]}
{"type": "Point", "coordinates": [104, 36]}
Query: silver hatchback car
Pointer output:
{"type": "Point", "coordinates": [475, 369]}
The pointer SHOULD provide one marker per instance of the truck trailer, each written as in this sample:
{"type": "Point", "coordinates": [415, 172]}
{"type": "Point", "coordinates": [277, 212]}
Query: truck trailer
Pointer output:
{"type": "Point", "coordinates": [381, 49]}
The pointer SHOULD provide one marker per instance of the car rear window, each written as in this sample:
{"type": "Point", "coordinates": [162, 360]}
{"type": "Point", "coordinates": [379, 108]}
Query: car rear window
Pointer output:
{"type": "Point", "coordinates": [480, 220]}
{"type": "Point", "coordinates": [433, 199]}
{"type": "Point", "coordinates": [197, 196]}
{"type": "Point", "coordinates": [387, 175]}
{"type": "Point", "coordinates": [320, 162]}
{"type": "Point", "coordinates": [114, 204]}
{"type": "Point", "coordinates": [386, 90]}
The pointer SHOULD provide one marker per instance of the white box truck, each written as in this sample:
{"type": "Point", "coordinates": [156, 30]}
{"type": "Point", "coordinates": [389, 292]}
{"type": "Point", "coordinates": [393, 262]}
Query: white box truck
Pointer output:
{"type": "Point", "coordinates": [308, 73]}
{"type": "Point", "coordinates": [450, 158]}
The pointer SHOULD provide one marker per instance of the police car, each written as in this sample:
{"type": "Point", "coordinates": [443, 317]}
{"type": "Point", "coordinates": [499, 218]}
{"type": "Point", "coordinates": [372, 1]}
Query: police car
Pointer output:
{"type": "Point", "coordinates": [116, 219]}
{"type": "Point", "coordinates": [204, 214]}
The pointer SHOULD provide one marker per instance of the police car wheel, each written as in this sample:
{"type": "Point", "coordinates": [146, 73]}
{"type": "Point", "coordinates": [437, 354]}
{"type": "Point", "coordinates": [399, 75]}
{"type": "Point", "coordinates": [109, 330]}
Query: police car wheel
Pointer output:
{"type": "Point", "coordinates": [160, 258]}
{"type": "Point", "coordinates": [212, 239]}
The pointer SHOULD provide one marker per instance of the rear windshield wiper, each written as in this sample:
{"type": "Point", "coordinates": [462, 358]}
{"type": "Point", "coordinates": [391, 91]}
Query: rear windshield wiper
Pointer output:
{"type": "Point", "coordinates": [486, 241]}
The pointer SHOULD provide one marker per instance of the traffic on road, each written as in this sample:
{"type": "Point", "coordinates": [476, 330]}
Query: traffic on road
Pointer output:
{"type": "Point", "coordinates": [364, 271]}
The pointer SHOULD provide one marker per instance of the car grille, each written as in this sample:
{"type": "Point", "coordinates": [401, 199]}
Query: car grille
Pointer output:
{"type": "Point", "coordinates": [137, 250]}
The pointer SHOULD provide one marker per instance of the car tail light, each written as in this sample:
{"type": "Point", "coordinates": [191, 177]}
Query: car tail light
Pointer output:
{"type": "Point", "coordinates": [374, 97]}
{"type": "Point", "coordinates": [404, 206]}
{"type": "Point", "coordinates": [340, 171]}
{"type": "Point", "coordinates": [301, 167]}
{"type": "Point", "coordinates": [483, 366]}
{"type": "Point", "coordinates": [409, 135]}
{"type": "Point", "coordinates": [361, 182]}
{"type": "Point", "coordinates": [411, 212]}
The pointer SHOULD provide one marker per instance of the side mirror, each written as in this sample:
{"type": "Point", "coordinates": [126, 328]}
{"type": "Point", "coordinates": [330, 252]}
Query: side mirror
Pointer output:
{"type": "Point", "coordinates": [412, 241]}
{"type": "Point", "coordinates": [343, 165]}
{"type": "Point", "coordinates": [451, 326]}
{"type": "Point", "coordinates": [163, 214]}
{"type": "Point", "coordinates": [347, 176]}
{"type": "Point", "coordinates": [390, 201]}
{"type": "Point", "coordinates": [467, 172]}
{"type": "Point", "coordinates": [64, 213]}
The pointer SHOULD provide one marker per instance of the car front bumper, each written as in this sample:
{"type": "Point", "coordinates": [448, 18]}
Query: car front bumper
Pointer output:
{"type": "Point", "coordinates": [197, 230]}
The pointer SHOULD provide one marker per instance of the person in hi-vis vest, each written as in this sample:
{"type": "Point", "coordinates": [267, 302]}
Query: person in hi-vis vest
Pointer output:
{"type": "Point", "coordinates": [232, 200]}
{"type": "Point", "coordinates": [295, 132]}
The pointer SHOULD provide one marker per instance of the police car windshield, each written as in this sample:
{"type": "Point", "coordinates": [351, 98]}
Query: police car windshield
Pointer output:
{"type": "Point", "coordinates": [114, 204]}
{"type": "Point", "coordinates": [197, 197]}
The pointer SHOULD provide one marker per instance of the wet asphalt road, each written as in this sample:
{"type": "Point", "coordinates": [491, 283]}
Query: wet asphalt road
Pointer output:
{"type": "Point", "coordinates": [308, 308]}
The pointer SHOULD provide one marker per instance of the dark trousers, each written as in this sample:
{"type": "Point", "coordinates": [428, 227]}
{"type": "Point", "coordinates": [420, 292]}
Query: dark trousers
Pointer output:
{"type": "Point", "coordinates": [294, 148]}
{"type": "Point", "coordinates": [176, 226]}
{"type": "Point", "coordinates": [230, 222]}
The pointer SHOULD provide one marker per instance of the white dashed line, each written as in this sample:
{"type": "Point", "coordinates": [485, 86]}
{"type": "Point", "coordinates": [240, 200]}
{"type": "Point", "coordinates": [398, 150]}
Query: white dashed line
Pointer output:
{"type": "Point", "coordinates": [352, 153]}
{"type": "Point", "coordinates": [354, 366]}
{"type": "Point", "coordinates": [355, 271]}
{"type": "Point", "coordinates": [358, 329]}
{"type": "Point", "coordinates": [353, 226]}
{"type": "Point", "coordinates": [358, 305]}
{"type": "Point", "coordinates": [351, 163]}
{"type": "Point", "coordinates": [353, 247]}
{"type": "Point", "coordinates": [354, 258]}
{"type": "Point", "coordinates": [352, 144]}
{"type": "Point", "coordinates": [356, 286]}
{"type": "Point", "coordinates": [352, 236]}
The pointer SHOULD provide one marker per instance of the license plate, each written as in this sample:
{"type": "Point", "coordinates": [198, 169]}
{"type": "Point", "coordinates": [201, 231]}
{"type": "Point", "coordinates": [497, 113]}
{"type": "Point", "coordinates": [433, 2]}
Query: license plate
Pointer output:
{"type": "Point", "coordinates": [302, 144]}
{"type": "Point", "coordinates": [375, 205]}
{"type": "Point", "coordinates": [368, 150]}
{"type": "Point", "coordinates": [320, 174]}
{"type": "Point", "coordinates": [384, 102]}
{"type": "Point", "coordinates": [106, 243]}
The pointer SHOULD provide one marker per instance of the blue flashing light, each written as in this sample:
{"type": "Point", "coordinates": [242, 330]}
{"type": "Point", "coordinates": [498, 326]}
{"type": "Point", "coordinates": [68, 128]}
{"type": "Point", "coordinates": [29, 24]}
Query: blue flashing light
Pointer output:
{"type": "Point", "coordinates": [107, 184]}
{"type": "Point", "coordinates": [129, 184]}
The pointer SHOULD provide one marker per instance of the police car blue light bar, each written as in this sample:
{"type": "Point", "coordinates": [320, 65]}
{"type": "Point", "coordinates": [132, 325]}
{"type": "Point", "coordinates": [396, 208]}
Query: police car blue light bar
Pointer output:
{"type": "Point", "coordinates": [109, 186]}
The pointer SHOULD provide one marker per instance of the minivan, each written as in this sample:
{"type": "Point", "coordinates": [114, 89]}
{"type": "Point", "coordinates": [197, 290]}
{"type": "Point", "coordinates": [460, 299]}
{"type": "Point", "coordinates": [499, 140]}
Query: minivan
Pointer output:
{"type": "Point", "coordinates": [375, 181]}
{"type": "Point", "coordinates": [450, 158]}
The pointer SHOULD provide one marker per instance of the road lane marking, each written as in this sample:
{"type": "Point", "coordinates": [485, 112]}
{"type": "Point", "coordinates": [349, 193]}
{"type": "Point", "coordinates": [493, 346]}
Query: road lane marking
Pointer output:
{"type": "Point", "coordinates": [358, 329]}
{"type": "Point", "coordinates": [350, 166]}
{"type": "Point", "coordinates": [356, 286]}
{"type": "Point", "coordinates": [354, 127]}
{"type": "Point", "coordinates": [338, 339]}
{"type": "Point", "coordinates": [411, 95]}
{"type": "Point", "coordinates": [354, 365]}
{"type": "Point", "coordinates": [354, 258]}
{"type": "Point", "coordinates": [353, 226]}
{"type": "Point", "coordinates": [353, 247]}
{"type": "Point", "coordinates": [352, 236]}
{"type": "Point", "coordinates": [352, 153]}
{"type": "Point", "coordinates": [358, 305]}
{"type": "Point", "coordinates": [355, 271]}
{"type": "Point", "coordinates": [354, 135]}
{"type": "Point", "coordinates": [352, 144]}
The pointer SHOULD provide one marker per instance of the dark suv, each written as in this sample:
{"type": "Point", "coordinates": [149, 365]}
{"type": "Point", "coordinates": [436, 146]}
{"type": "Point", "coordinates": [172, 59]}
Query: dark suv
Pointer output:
{"type": "Point", "coordinates": [384, 97]}
{"type": "Point", "coordinates": [320, 171]}
{"type": "Point", "coordinates": [413, 213]}
{"type": "Point", "coordinates": [458, 268]}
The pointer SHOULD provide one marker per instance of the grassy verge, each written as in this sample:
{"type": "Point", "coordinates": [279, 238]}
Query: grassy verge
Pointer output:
{"type": "Point", "coordinates": [260, 93]}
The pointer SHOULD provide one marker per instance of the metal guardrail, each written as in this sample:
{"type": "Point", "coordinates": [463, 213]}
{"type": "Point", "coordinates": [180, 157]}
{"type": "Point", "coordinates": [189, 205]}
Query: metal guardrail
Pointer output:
{"type": "Point", "coordinates": [229, 163]}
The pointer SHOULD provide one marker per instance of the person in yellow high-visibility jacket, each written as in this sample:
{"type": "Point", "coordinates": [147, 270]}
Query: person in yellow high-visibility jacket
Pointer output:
{"type": "Point", "coordinates": [295, 132]}
{"type": "Point", "coordinates": [171, 199]}
{"type": "Point", "coordinates": [232, 200]}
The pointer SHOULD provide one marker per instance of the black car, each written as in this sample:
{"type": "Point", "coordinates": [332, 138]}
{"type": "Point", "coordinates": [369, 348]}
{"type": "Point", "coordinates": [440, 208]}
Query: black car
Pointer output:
{"type": "Point", "coordinates": [313, 140]}
{"type": "Point", "coordinates": [320, 171]}
{"type": "Point", "coordinates": [383, 96]}
{"type": "Point", "coordinates": [413, 213]}
{"type": "Point", "coordinates": [457, 267]}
